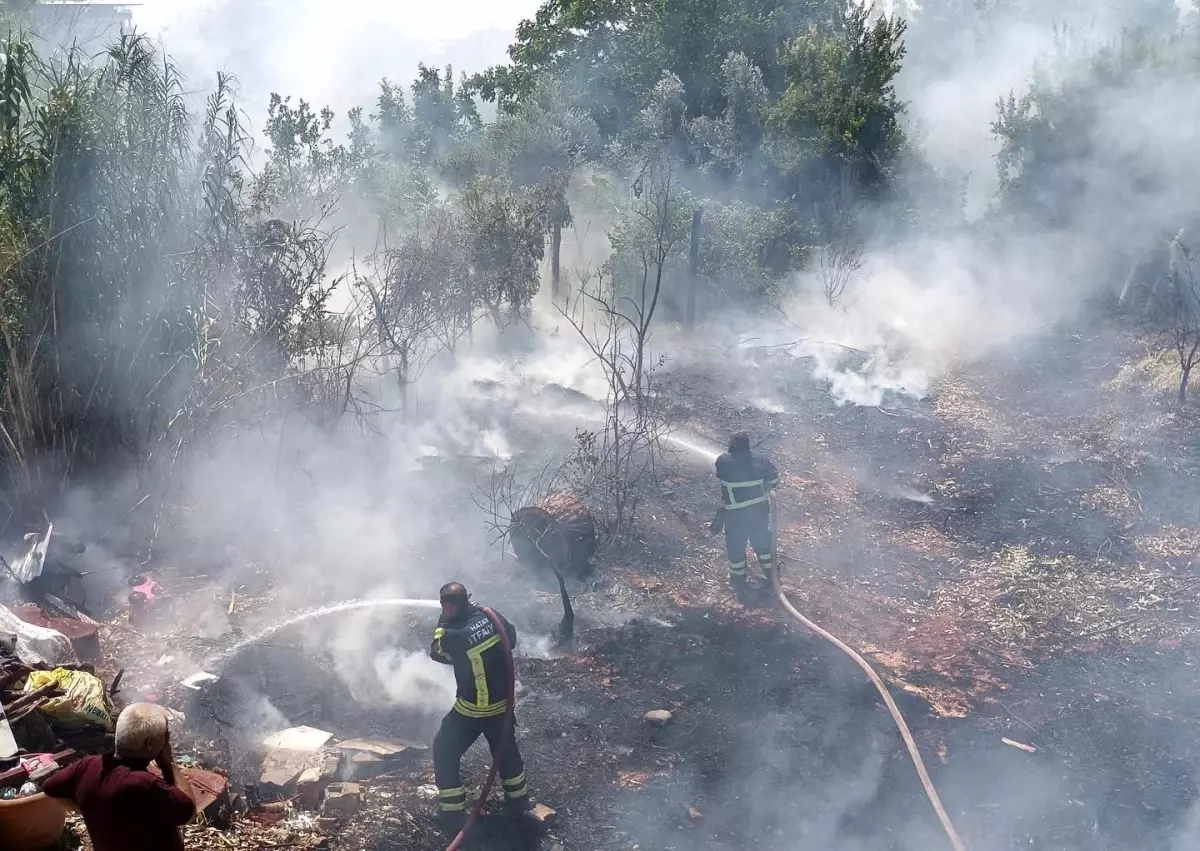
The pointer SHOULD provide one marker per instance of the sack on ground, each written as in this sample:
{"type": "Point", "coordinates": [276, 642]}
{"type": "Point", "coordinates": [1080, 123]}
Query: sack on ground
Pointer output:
{"type": "Point", "coordinates": [84, 702]}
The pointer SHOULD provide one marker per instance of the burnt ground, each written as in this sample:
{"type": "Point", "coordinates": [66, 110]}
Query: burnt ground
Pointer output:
{"type": "Point", "coordinates": [1017, 555]}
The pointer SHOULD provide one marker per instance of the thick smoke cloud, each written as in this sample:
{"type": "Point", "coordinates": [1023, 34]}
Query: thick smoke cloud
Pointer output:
{"type": "Point", "coordinates": [947, 298]}
{"type": "Point", "coordinates": [330, 56]}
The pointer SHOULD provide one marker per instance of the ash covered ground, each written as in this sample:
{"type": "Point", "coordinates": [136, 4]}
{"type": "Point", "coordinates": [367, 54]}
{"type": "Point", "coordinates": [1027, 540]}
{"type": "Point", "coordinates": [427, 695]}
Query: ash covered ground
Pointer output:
{"type": "Point", "coordinates": [1014, 572]}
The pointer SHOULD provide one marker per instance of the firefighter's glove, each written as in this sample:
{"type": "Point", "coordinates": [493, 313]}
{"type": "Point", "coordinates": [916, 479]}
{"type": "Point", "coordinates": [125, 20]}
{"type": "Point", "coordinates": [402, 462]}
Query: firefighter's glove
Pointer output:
{"type": "Point", "coordinates": [718, 521]}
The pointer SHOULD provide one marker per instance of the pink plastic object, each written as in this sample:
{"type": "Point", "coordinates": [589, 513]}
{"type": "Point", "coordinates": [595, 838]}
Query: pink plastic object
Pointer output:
{"type": "Point", "coordinates": [146, 589]}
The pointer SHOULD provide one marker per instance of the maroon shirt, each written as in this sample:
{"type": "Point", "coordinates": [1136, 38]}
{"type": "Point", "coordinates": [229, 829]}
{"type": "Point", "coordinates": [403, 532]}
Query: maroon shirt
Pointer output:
{"type": "Point", "coordinates": [125, 807]}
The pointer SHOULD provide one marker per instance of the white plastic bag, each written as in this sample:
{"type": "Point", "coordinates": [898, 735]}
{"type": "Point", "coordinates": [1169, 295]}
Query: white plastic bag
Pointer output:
{"type": "Point", "coordinates": [28, 566]}
{"type": "Point", "coordinates": [37, 644]}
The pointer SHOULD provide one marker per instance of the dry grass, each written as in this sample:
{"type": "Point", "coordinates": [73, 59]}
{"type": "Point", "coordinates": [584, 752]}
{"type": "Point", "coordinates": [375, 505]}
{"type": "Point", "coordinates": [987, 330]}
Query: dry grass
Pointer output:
{"type": "Point", "coordinates": [1024, 599]}
{"type": "Point", "coordinates": [1150, 372]}
{"type": "Point", "coordinates": [1110, 500]}
{"type": "Point", "coordinates": [1171, 542]}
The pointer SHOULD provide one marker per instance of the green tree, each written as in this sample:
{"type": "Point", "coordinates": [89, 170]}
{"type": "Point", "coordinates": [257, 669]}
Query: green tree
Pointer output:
{"type": "Point", "coordinates": [614, 52]}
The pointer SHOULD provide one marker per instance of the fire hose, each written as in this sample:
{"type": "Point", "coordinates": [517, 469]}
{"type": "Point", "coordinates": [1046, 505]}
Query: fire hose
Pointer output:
{"type": "Point", "coordinates": [913, 752]}
{"type": "Point", "coordinates": [909, 741]}
{"type": "Point", "coordinates": [505, 733]}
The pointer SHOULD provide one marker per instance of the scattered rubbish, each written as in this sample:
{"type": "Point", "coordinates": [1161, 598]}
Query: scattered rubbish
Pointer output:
{"type": "Point", "coordinates": [198, 680]}
{"type": "Point", "coordinates": [368, 758]}
{"type": "Point", "coordinates": [694, 813]}
{"type": "Point", "coordinates": [83, 703]}
{"type": "Point", "coordinates": [300, 738]}
{"type": "Point", "coordinates": [342, 798]}
{"type": "Point", "coordinates": [282, 767]}
{"type": "Point", "coordinates": [83, 635]}
{"type": "Point", "coordinates": [315, 779]}
{"type": "Point", "coordinates": [31, 822]}
{"type": "Point", "coordinates": [379, 747]}
{"type": "Point", "coordinates": [326, 824]}
{"type": "Point", "coordinates": [39, 766]}
{"type": "Point", "coordinates": [30, 564]}
{"type": "Point", "coordinates": [271, 813]}
{"type": "Point", "coordinates": [210, 793]}
{"type": "Point", "coordinates": [67, 610]}
{"type": "Point", "coordinates": [659, 717]}
{"type": "Point", "coordinates": [542, 814]}
{"type": "Point", "coordinates": [1019, 745]}
{"type": "Point", "coordinates": [8, 744]}
{"type": "Point", "coordinates": [36, 645]}
{"type": "Point", "coordinates": [146, 599]}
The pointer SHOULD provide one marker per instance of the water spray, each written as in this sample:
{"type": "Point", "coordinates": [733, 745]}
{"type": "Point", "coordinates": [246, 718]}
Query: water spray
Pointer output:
{"type": "Point", "coordinates": [313, 614]}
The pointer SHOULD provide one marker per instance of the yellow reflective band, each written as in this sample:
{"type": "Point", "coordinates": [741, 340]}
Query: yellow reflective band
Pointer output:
{"type": "Point", "coordinates": [733, 503]}
{"type": "Point", "coordinates": [450, 793]}
{"type": "Point", "coordinates": [514, 781]}
{"type": "Point", "coordinates": [452, 808]}
{"type": "Point", "coordinates": [513, 794]}
{"type": "Point", "coordinates": [471, 711]}
{"type": "Point", "coordinates": [475, 655]}
{"type": "Point", "coordinates": [438, 634]}
{"type": "Point", "coordinates": [765, 557]}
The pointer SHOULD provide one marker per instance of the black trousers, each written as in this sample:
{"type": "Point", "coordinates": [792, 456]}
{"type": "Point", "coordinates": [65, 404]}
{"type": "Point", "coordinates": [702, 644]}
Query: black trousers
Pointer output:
{"type": "Point", "coordinates": [454, 737]}
{"type": "Point", "coordinates": [748, 525]}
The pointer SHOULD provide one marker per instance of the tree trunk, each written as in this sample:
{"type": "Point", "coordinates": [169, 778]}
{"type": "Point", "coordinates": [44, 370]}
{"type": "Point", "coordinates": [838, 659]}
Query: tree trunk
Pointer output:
{"type": "Point", "coordinates": [693, 268]}
{"type": "Point", "coordinates": [556, 262]}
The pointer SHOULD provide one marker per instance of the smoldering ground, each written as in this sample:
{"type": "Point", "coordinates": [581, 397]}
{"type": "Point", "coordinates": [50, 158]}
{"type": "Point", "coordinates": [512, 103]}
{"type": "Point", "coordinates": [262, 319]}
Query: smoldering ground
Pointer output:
{"type": "Point", "coordinates": [388, 510]}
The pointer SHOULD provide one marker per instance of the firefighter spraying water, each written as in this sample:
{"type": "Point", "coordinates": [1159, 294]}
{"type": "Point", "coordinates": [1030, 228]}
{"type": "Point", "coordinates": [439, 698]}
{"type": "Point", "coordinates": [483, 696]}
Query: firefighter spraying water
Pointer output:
{"type": "Point", "coordinates": [468, 637]}
{"type": "Point", "coordinates": [746, 482]}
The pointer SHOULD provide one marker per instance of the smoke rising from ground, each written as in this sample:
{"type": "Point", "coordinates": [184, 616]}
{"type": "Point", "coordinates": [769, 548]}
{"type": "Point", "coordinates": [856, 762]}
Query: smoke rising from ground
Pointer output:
{"type": "Point", "coordinates": [953, 295]}
{"type": "Point", "coordinates": [384, 506]}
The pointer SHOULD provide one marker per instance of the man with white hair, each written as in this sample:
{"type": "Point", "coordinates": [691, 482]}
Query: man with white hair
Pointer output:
{"type": "Point", "coordinates": [125, 806]}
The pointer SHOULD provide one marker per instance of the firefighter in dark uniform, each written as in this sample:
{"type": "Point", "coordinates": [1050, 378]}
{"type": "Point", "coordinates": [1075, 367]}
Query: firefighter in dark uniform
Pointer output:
{"type": "Point", "coordinates": [466, 638]}
{"type": "Point", "coordinates": [746, 479]}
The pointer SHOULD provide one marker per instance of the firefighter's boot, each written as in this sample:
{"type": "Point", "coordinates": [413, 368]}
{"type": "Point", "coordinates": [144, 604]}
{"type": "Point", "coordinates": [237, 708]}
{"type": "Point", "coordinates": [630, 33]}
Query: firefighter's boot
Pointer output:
{"type": "Point", "coordinates": [517, 807]}
{"type": "Point", "coordinates": [452, 822]}
{"type": "Point", "coordinates": [739, 582]}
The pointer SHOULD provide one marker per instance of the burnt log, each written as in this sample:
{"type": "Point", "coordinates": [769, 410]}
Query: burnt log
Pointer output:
{"type": "Point", "coordinates": [558, 533]}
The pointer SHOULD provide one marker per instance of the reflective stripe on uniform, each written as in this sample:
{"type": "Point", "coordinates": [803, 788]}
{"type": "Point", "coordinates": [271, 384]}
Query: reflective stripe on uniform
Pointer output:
{"type": "Point", "coordinates": [731, 486]}
{"type": "Point", "coordinates": [452, 800]}
{"type": "Point", "coordinates": [438, 634]}
{"type": "Point", "coordinates": [737, 568]}
{"type": "Point", "coordinates": [515, 787]}
{"type": "Point", "coordinates": [475, 655]}
{"type": "Point", "coordinates": [470, 710]}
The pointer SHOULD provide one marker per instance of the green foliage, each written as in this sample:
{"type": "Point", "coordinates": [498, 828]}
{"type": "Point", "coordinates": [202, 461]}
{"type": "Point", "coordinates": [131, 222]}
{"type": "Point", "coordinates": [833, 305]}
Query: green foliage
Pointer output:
{"type": "Point", "coordinates": [1051, 142]}
{"type": "Point", "coordinates": [614, 52]}
{"type": "Point", "coordinates": [142, 297]}
{"type": "Point", "coordinates": [840, 107]}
